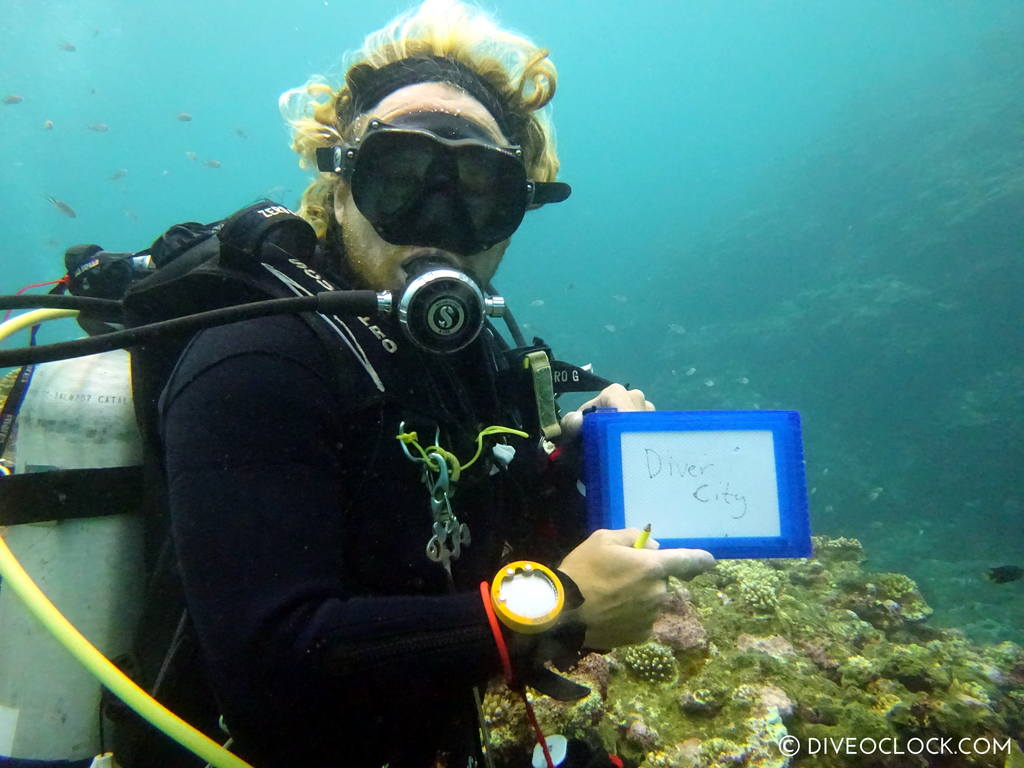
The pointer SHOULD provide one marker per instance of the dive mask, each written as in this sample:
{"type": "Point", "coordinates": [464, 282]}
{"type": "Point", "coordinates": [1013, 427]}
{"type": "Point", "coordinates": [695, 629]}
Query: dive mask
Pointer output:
{"type": "Point", "coordinates": [435, 179]}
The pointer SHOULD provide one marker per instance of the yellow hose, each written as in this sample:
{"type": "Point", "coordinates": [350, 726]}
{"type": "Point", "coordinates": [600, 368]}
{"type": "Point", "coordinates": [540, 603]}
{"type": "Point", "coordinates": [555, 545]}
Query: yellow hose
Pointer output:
{"type": "Point", "coordinates": [15, 578]}
{"type": "Point", "coordinates": [34, 317]}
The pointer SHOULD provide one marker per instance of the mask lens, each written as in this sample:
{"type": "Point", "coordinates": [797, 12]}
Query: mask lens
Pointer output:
{"type": "Point", "coordinates": [493, 187]}
{"type": "Point", "coordinates": [390, 172]}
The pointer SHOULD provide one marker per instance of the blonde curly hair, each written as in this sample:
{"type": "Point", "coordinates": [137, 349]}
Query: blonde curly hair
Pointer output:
{"type": "Point", "coordinates": [519, 72]}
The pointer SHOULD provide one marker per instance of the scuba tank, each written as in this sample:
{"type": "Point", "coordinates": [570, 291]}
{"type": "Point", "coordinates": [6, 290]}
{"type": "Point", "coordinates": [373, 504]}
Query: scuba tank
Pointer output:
{"type": "Point", "coordinates": [76, 414]}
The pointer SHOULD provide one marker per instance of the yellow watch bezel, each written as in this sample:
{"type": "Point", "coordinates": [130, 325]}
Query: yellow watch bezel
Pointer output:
{"type": "Point", "coordinates": [518, 622]}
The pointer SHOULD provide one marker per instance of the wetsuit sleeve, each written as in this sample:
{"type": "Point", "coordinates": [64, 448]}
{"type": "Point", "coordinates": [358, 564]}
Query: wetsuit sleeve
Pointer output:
{"type": "Point", "coordinates": [253, 434]}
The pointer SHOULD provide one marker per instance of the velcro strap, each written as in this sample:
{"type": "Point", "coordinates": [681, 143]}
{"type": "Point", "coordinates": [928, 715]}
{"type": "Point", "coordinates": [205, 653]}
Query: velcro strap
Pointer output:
{"type": "Point", "coordinates": [66, 494]}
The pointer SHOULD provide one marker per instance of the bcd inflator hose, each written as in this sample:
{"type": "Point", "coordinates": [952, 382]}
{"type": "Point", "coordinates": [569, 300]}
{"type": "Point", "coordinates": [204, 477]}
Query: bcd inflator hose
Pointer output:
{"type": "Point", "coordinates": [328, 303]}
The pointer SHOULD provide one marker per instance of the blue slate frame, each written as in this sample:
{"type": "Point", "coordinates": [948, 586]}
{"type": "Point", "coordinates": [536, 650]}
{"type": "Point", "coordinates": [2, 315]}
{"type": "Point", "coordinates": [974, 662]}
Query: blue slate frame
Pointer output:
{"type": "Point", "coordinates": [602, 446]}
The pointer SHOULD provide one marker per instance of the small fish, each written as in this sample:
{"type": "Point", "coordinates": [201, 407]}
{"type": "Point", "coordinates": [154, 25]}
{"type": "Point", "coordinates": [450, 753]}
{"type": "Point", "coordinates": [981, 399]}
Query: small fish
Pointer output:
{"type": "Point", "coordinates": [676, 328]}
{"type": "Point", "coordinates": [537, 303]}
{"type": "Point", "coordinates": [212, 163]}
{"type": "Point", "coordinates": [709, 382]}
{"type": "Point", "coordinates": [620, 298]}
{"type": "Point", "coordinates": [69, 47]}
{"type": "Point", "coordinates": [48, 125]}
{"type": "Point", "coordinates": [1005, 573]}
{"type": "Point", "coordinates": [610, 328]}
{"type": "Point", "coordinates": [99, 127]}
{"type": "Point", "coordinates": [191, 155]}
{"type": "Point", "coordinates": [13, 98]}
{"type": "Point", "coordinates": [278, 192]}
{"type": "Point", "coordinates": [875, 493]}
{"type": "Point", "coordinates": [63, 207]}
{"type": "Point", "coordinates": [742, 380]}
{"type": "Point", "coordinates": [118, 174]}
{"type": "Point", "coordinates": [690, 371]}
{"type": "Point", "coordinates": [185, 117]}
{"type": "Point", "coordinates": [131, 215]}
{"type": "Point", "coordinates": [240, 133]}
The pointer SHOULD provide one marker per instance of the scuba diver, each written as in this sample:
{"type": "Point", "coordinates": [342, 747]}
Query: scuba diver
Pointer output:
{"type": "Point", "coordinates": [335, 490]}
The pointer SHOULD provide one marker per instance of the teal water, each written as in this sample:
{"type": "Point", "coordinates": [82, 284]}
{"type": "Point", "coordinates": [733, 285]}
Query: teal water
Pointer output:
{"type": "Point", "coordinates": [807, 205]}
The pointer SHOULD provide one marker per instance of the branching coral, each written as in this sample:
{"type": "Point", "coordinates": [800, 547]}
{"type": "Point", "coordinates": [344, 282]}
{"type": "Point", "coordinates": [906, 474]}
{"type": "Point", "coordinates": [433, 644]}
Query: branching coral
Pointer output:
{"type": "Point", "coordinates": [652, 661]}
{"type": "Point", "coordinates": [757, 584]}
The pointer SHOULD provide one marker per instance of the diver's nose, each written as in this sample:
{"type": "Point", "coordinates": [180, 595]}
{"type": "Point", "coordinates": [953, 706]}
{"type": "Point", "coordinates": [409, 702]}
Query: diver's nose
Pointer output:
{"type": "Point", "coordinates": [441, 173]}
{"type": "Point", "coordinates": [437, 206]}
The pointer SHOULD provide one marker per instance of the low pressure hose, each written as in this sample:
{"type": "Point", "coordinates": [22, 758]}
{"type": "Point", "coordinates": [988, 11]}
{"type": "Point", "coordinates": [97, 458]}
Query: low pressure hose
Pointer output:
{"type": "Point", "coordinates": [328, 302]}
{"type": "Point", "coordinates": [105, 309]}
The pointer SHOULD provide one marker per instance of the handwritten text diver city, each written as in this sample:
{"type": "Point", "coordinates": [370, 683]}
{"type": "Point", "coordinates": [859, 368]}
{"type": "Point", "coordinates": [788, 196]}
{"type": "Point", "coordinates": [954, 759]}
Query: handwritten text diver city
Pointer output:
{"type": "Point", "coordinates": [708, 490]}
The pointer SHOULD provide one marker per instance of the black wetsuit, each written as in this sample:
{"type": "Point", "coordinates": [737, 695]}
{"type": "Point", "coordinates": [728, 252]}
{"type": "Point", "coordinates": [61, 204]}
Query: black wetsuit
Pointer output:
{"type": "Point", "coordinates": [300, 529]}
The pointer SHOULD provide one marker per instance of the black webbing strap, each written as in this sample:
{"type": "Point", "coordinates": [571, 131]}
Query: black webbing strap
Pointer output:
{"type": "Point", "coordinates": [69, 493]}
{"type": "Point", "coordinates": [567, 377]}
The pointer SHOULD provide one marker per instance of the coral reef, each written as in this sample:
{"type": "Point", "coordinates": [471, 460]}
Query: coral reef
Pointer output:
{"type": "Point", "coordinates": [812, 649]}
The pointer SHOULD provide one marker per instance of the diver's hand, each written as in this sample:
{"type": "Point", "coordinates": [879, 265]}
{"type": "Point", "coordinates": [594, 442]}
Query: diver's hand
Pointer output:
{"type": "Point", "coordinates": [613, 396]}
{"type": "Point", "coordinates": [623, 587]}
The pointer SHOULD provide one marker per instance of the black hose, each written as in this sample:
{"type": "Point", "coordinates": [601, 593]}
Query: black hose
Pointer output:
{"type": "Point", "coordinates": [510, 321]}
{"type": "Point", "coordinates": [329, 302]}
{"type": "Point", "coordinates": [101, 309]}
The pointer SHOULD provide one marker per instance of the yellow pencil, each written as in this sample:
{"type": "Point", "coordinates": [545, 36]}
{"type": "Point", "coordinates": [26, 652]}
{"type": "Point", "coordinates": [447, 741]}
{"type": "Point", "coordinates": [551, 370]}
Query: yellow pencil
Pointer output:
{"type": "Point", "coordinates": [641, 540]}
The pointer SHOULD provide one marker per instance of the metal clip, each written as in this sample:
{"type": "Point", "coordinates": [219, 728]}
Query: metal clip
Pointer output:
{"type": "Point", "coordinates": [440, 486]}
{"type": "Point", "coordinates": [449, 535]}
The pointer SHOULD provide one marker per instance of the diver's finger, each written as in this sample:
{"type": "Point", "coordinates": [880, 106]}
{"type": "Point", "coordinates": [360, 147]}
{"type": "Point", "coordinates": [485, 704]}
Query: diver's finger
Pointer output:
{"type": "Point", "coordinates": [686, 563]}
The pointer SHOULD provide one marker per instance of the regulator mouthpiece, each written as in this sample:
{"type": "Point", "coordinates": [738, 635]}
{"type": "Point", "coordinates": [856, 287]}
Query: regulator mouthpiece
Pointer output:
{"type": "Point", "coordinates": [442, 309]}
